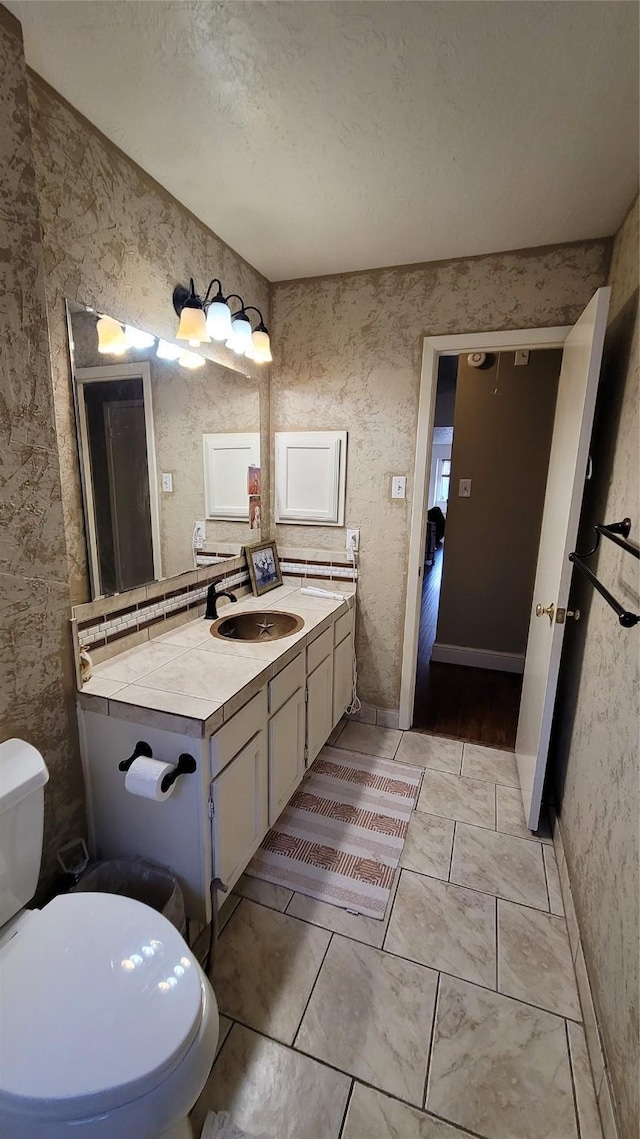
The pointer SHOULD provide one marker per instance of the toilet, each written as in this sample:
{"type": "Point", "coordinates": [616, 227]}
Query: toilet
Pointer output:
{"type": "Point", "coordinates": [108, 1025]}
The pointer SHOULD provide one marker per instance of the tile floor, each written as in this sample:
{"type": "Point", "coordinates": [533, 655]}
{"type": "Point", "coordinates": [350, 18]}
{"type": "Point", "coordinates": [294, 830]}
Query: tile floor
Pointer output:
{"type": "Point", "coordinates": [458, 1015]}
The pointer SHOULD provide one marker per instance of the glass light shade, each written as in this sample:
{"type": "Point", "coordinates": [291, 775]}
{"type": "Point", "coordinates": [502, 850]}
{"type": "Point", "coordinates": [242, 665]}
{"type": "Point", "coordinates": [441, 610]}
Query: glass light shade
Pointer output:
{"type": "Point", "coordinates": [219, 320]}
{"type": "Point", "coordinates": [136, 338]}
{"type": "Point", "coordinates": [261, 347]}
{"type": "Point", "coordinates": [241, 328]}
{"type": "Point", "coordinates": [111, 338]}
{"type": "Point", "coordinates": [193, 326]}
{"type": "Point", "coordinates": [190, 360]}
{"type": "Point", "coordinates": [235, 344]}
{"type": "Point", "coordinates": [168, 351]}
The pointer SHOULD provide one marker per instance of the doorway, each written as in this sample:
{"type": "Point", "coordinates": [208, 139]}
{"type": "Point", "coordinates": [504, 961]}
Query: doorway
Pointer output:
{"type": "Point", "coordinates": [476, 688]}
{"type": "Point", "coordinates": [490, 451]}
{"type": "Point", "coordinates": [119, 476]}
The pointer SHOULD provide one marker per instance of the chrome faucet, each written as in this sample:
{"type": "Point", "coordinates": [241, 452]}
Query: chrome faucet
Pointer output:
{"type": "Point", "coordinates": [211, 612]}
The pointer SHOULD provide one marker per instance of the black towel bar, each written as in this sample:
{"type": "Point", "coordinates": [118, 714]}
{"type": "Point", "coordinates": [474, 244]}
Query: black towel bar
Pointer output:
{"type": "Point", "coordinates": [617, 532]}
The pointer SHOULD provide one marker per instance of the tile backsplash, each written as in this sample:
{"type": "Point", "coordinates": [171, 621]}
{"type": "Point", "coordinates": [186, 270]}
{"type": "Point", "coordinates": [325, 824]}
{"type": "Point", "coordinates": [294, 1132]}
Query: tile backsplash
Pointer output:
{"type": "Point", "coordinates": [113, 624]}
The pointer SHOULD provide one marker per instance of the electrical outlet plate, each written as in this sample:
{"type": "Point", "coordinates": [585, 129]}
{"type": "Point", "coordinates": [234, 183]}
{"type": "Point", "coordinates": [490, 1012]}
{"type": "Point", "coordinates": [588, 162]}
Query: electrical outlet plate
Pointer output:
{"type": "Point", "coordinates": [167, 483]}
{"type": "Point", "coordinates": [353, 540]}
{"type": "Point", "coordinates": [199, 535]}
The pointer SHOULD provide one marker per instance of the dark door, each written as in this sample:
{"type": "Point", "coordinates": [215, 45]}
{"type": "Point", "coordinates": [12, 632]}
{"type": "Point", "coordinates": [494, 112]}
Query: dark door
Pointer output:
{"type": "Point", "coordinates": [128, 478]}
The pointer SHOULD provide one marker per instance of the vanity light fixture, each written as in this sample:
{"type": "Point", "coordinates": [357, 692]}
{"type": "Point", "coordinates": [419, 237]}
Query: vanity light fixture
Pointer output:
{"type": "Point", "coordinates": [136, 338]}
{"type": "Point", "coordinates": [193, 325]}
{"type": "Point", "coordinates": [111, 338]}
{"type": "Point", "coordinates": [168, 351]}
{"type": "Point", "coordinates": [190, 360]}
{"type": "Point", "coordinates": [205, 318]}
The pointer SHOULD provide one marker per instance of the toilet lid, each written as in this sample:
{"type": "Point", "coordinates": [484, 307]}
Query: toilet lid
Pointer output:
{"type": "Point", "coordinates": [99, 1000]}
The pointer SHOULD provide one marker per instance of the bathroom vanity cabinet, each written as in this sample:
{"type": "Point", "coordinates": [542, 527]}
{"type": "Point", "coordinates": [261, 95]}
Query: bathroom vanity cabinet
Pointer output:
{"type": "Point", "coordinates": [246, 770]}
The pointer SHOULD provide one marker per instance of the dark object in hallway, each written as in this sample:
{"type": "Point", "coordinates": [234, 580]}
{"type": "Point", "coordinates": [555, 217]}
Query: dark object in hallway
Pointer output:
{"type": "Point", "coordinates": [475, 704]}
{"type": "Point", "coordinates": [436, 516]}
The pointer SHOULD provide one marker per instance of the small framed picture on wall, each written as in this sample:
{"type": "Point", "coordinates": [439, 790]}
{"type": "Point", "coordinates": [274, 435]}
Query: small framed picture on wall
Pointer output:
{"type": "Point", "coordinates": [264, 567]}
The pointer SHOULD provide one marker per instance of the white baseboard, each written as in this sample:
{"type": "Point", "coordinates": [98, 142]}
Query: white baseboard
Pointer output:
{"type": "Point", "coordinates": [478, 658]}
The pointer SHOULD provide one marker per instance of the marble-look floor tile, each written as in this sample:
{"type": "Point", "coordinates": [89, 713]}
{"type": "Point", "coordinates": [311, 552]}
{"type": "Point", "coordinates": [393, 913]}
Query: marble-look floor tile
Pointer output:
{"type": "Point", "coordinates": [534, 959]}
{"type": "Point", "coordinates": [273, 1091]}
{"type": "Point", "coordinates": [510, 816]}
{"type": "Point", "coordinates": [370, 1014]}
{"type": "Point", "coordinates": [266, 893]}
{"type": "Point", "coordinates": [265, 968]}
{"type": "Point", "coordinates": [467, 800]}
{"type": "Point", "coordinates": [224, 1028]}
{"type": "Point", "coordinates": [370, 740]}
{"type": "Point", "coordinates": [430, 751]}
{"type": "Point", "coordinates": [428, 845]}
{"type": "Point", "coordinates": [586, 1102]}
{"type": "Point", "coordinates": [374, 1115]}
{"type": "Point", "coordinates": [556, 905]}
{"type": "Point", "coordinates": [134, 663]}
{"type": "Point", "coordinates": [511, 868]}
{"type": "Point", "coordinates": [499, 1067]}
{"type": "Point", "coordinates": [445, 927]}
{"type": "Point", "coordinates": [337, 731]}
{"type": "Point", "coordinates": [371, 931]}
{"type": "Point", "coordinates": [479, 762]}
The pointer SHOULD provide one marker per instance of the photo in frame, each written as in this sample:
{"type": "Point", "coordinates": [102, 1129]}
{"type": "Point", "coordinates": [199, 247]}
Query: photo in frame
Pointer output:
{"type": "Point", "coordinates": [264, 567]}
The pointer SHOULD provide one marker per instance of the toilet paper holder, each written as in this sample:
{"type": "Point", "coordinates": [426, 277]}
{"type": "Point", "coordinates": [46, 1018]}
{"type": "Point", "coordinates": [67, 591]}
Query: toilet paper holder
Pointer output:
{"type": "Point", "coordinates": [186, 764]}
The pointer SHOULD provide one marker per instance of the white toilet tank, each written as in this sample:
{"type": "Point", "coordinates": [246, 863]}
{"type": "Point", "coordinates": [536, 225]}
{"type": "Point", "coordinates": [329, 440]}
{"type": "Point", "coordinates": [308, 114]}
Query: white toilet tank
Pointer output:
{"type": "Point", "coordinates": [23, 774]}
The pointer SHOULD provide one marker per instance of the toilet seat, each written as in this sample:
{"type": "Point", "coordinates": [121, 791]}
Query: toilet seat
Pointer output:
{"type": "Point", "coordinates": [100, 1001]}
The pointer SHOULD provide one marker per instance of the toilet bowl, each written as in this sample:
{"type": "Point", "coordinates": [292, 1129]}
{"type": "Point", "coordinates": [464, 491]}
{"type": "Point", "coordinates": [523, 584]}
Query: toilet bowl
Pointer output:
{"type": "Point", "coordinates": [109, 1025]}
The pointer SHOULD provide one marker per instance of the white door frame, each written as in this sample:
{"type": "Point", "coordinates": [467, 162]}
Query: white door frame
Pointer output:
{"type": "Point", "coordinates": [433, 347]}
{"type": "Point", "coordinates": [83, 376]}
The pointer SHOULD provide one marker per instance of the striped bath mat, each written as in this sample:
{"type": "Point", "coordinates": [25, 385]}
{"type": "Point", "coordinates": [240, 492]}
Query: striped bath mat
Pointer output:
{"type": "Point", "coordinates": [341, 837]}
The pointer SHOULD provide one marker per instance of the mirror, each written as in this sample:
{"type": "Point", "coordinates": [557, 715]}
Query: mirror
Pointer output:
{"type": "Point", "coordinates": [169, 451]}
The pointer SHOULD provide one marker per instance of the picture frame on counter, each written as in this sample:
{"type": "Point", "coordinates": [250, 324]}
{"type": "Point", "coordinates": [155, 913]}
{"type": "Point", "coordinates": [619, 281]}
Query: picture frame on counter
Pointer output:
{"type": "Point", "coordinates": [264, 567]}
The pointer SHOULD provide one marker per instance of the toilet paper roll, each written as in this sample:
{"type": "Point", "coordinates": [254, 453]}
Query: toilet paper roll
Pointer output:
{"type": "Point", "coordinates": [145, 776]}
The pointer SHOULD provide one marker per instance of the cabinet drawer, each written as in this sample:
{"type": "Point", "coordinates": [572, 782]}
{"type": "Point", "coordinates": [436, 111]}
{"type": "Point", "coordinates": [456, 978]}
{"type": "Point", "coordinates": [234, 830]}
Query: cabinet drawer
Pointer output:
{"type": "Point", "coordinates": [285, 683]}
{"type": "Point", "coordinates": [319, 649]}
{"type": "Point", "coordinates": [342, 628]}
{"type": "Point", "coordinates": [229, 740]}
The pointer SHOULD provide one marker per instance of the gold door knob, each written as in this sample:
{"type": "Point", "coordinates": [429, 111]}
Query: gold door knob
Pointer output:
{"type": "Point", "coordinates": [549, 610]}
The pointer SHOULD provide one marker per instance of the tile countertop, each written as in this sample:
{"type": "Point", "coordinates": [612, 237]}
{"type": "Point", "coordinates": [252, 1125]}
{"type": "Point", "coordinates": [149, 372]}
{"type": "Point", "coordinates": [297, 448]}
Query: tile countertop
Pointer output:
{"type": "Point", "coordinates": [190, 682]}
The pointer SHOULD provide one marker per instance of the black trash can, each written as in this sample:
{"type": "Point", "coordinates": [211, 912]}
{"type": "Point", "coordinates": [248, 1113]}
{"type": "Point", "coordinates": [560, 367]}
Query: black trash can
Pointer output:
{"type": "Point", "coordinates": [142, 881]}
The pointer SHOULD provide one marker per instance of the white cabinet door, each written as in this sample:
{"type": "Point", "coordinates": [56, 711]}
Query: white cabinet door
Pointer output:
{"type": "Point", "coordinates": [286, 753]}
{"type": "Point", "coordinates": [319, 707]}
{"type": "Point", "coordinates": [342, 678]}
{"type": "Point", "coordinates": [240, 810]}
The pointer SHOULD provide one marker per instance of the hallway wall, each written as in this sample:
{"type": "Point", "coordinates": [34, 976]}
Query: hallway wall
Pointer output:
{"type": "Point", "coordinates": [595, 745]}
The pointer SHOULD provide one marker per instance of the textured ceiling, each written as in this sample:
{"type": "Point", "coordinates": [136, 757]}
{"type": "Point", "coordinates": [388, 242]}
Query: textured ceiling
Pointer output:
{"type": "Point", "coordinates": [323, 137]}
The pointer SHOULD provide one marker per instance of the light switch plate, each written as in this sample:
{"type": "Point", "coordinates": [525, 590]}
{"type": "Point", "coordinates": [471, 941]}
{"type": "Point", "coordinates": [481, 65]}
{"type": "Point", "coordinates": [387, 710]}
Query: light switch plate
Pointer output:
{"type": "Point", "coordinates": [399, 486]}
{"type": "Point", "coordinates": [464, 488]}
{"type": "Point", "coordinates": [167, 483]}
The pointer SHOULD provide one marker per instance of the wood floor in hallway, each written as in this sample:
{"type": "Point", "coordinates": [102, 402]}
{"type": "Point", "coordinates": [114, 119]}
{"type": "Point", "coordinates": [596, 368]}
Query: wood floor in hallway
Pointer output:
{"type": "Point", "coordinates": [474, 704]}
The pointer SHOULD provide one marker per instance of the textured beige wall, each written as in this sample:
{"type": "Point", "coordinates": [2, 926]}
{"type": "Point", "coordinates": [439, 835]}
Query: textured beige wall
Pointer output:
{"type": "Point", "coordinates": [35, 643]}
{"type": "Point", "coordinates": [115, 240]}
{"type": "Point", "coordinates": [596, 747]}
{"type": "Point", "coordinates": [186, 405]}
{"type": "Point", "coordinates": [502, 427]}
{"type": "Point", "coordinates": [347, 352]}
